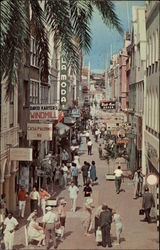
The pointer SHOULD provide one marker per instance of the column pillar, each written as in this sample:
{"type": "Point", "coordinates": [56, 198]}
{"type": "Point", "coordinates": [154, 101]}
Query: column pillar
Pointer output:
{"type": "Point", "coordinates": [6, 189]}
{"type": "Point", "coordinates": [12, 193]}
{"type": "Point", "coordinates": [1, 186]}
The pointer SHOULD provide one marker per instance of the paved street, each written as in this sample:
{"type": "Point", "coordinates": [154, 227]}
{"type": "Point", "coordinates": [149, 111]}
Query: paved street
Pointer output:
{"type": "Point", "coordinates": [136, 234]}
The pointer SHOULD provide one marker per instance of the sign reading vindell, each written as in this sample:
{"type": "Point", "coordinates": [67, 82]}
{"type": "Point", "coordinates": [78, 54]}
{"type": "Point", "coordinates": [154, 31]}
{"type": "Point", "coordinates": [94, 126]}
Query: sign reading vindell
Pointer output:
{"type": "Point", "coordinates": [63, 82]}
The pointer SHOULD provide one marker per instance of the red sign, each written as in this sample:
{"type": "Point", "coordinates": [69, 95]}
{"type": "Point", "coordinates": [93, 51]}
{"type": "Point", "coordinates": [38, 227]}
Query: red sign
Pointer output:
{"type": "Point", "coordinates": [60, 116]}
{"type": "Point", "coordinates": [122, 141]}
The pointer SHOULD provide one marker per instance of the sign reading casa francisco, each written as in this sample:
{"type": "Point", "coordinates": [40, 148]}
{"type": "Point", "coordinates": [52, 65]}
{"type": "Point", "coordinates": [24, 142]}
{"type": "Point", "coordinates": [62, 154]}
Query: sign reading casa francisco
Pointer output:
{"type": "Point", "coordinates": [21, 154]}
{"type": "Point", "coordinates": [63, 81]}
{"type": "Point", "coordinates": [40, 132]}
{"type": "Point", "coordinates": [43, 112]}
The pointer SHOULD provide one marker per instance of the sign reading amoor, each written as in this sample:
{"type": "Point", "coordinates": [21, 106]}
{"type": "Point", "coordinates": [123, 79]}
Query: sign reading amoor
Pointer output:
{"type": "Point", "coordinates": [63, 81]}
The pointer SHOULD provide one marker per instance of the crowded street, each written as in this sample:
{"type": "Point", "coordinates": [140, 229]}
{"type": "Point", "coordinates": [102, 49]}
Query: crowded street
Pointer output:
{"type": "Point", "coordinates": [79, 124]}
{"type": "Point", "coordinates": [136, 233]}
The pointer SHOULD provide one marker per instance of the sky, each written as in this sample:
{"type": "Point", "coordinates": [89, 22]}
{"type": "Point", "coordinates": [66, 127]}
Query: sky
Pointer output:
{"type": "Point", "coordinates": [103, 37]}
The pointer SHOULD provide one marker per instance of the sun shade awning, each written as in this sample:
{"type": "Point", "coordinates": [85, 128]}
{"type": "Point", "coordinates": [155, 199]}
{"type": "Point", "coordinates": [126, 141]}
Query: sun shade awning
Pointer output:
{"type": "Point", "coordinates": [62, 128]}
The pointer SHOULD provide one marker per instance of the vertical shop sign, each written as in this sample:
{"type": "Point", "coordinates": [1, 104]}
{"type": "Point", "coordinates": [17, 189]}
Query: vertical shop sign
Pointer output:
{"type": "Point", "coordinates": [63, 81]}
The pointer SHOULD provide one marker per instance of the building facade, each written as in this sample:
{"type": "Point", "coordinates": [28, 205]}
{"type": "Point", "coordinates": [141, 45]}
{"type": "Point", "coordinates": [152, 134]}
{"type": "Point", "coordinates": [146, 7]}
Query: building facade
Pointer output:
{"type": "Point", "coordinates": [151, 128]}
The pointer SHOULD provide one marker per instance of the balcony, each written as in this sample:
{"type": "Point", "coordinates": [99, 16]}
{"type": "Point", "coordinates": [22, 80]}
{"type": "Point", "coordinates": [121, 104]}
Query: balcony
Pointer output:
{"type": "Point", "coordinates": [8, 137]}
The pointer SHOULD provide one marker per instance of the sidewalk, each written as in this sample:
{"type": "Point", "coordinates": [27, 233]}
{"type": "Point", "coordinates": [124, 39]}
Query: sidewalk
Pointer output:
{"type": "Point", "coordinates": [135, 235]}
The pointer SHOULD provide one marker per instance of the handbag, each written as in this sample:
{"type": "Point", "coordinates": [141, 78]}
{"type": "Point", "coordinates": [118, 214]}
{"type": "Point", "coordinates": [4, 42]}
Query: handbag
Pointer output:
{"type": "Point", "coordinates": [98, 235]}
{"type": "Point", "coordinates": [141, 211]}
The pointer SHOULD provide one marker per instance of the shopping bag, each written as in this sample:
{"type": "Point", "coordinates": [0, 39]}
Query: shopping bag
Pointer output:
{"type": "Point", "coordinates": [98, 235]}
{"type": "Point", "coordinates": [141, 211]}
{"type": "Point", "coordinates": [59, 233]}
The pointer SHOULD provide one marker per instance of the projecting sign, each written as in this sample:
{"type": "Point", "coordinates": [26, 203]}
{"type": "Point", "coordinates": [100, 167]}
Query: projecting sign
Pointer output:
{"type": "Point", "coordinates": [75, 113]}
{"type": "Point", "coordinates": [43, 112]}
{"type": "Point", "coordinates": [63, 81]}
{"type": "Point", "coordinates": [40, 132]}
{"type": "Point", "coordinates": [21, 154]}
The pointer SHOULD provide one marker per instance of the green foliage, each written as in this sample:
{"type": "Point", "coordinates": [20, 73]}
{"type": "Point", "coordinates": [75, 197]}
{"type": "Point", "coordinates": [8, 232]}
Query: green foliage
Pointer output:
{"type": "Point", "coordinates": [68, 19]}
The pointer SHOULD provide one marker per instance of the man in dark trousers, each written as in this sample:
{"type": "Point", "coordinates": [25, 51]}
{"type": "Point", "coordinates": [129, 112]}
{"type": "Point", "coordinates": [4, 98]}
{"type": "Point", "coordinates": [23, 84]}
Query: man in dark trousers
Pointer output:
{"type": "Point", "coordinates": [147, 203]}
{"type": "Point", "coordinates": [105, 224]}
{"type": "Point", "coordinates": [85, 169]}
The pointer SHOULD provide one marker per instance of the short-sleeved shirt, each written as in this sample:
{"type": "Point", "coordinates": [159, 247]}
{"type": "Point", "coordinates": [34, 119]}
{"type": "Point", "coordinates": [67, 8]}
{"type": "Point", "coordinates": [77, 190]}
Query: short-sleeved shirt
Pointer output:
{"type": "Point", "coordinates": [74, 171]}
{"type": "Point", "coordinates": [73, 192]}
{"type": "Point", "coordinates": [49, 217]}
{"type": "Point", "coordinates": [87, 191]}
{"type": "Point", "coordinates": [85, 170]}
{"type": "Point", "coordinates": [118, 172]}
{"type": "Point", "coordinates": [34, 195]}
{"type": "Point", "coordinates": [89, 143]}
{"type": "Point", "coordinates": [22, 195]}
{"type": "Point", "coordinates": [10, 224]}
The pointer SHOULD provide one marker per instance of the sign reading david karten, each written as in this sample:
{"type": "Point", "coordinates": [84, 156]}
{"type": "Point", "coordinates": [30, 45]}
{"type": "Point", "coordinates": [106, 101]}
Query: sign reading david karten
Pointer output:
{"type": "Point", "coordinates": [63, 82]}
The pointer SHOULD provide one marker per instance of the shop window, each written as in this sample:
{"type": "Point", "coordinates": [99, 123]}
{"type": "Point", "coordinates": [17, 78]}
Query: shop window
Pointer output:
{"type": "Point", "coordinates": [33, 53]}
{"type": "Point", "coordinates": [44, 94]}
{"type": "Point", "coordinates": [34, 92]}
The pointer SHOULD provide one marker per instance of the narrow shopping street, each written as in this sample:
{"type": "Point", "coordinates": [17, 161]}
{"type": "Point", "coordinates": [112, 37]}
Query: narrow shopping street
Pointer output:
{"type": "Point", "coordinates": [135, 235]}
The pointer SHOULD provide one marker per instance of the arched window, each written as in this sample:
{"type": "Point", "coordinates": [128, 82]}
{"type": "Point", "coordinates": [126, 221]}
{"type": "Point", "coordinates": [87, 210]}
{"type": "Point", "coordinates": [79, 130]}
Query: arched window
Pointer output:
{"type": "Point", "coordinates": [149, 108]}
{"type": "Point", "coordinates": [156, 110]}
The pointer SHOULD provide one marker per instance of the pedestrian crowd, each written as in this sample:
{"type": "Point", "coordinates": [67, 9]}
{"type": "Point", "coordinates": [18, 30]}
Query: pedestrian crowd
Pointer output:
{"type": "Point", "coordinates": [67, 175]}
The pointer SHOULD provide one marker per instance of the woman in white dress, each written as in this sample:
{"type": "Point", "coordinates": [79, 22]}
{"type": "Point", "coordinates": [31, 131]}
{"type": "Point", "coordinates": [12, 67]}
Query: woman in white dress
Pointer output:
{"type": "Point", "coordinates": [118, 226]}
{"type": "Point", "coordinates": [77, 161]}
{"type": "Point", "coordinates": [35, 232]}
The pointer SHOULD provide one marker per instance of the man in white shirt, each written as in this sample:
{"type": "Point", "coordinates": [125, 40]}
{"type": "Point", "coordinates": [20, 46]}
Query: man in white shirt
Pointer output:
{"type": "Point", "coordinates": [34, 199]}
{"type": "Point", "coordinates": [10, 225]}
{"type": "Point", "coordinates": [49, 220]}
{"type": "Point", "coordinates": [87, 136]}
{"type": "Point", "coordinates": [89, 145]}
{"type": "Point", "coordinates": [73, 191]}
{"type": "Point", "coordinates": [118, 179]}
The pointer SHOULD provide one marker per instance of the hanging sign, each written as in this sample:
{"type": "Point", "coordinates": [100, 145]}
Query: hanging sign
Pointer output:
{"type": "Point", "coordinates": [21, 154]}
{"type": "Point", "coordinates": [39, 131]}
{"type": "Point", "coordinates": [43, 112]}
{"type": "Point", "coordinates": [63, 81]}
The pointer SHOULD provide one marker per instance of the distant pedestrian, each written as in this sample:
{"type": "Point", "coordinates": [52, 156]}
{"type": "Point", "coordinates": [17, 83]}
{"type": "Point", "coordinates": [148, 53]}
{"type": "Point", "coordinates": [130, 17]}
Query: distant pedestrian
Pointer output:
{"type": "Point", "coordinates": [10, 225]}
{"type": "Point", "coordinates": [75, 172]}
{"type": "Point", "coordinates": [118, 178]}
{"type": "Point", "coordinates": [136, 183]}
{"type": "Point", "coordinates": [77, 161]}
{"type": "Point", "coordinates": [62, 215]}
{"type": "Point", "coordinates": [97, 218]}
{"type": "Point", "coordinates": [73, 192]}
{"type": "Point", "coordinates": [49, 221]}
{"type": "Point", "coordinates": [140, 184]}
{"type": "Point", "coordinates": [34, 199]}
{"type": "Point", "coordinates": [118, 226]}
{"type": "Point", "coordinates": [3, 206]}
{"type": "Point", "coordinates": [65, 156]}
{"type": "Point", "coordinates": [87, 190]}
{"type": "Point", "coordinates": [65, 174]}
{"type": "Point", "coordinates": [105, 224]}
{"type": "Point", "coordinates": [87, 136]}
{"type": "Point", "coordinates": [85, 169]}
{"type": "Point", "coordinates": [100, 151]}
{"type": "Point", "coordinates": [22, 195]}
{"type": "Point", "coordinates": [93, 176]}
{"type": "Point", "coordinates": [147, 203]}
{"type": "Point", "coordinates": [96, 135]}
{"type": "Point", "coordinates": [89, 145]}
{"type": "Point", "coordinates": [44, 196]}
{"type": "Point", "coordinates": [87, 219]}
